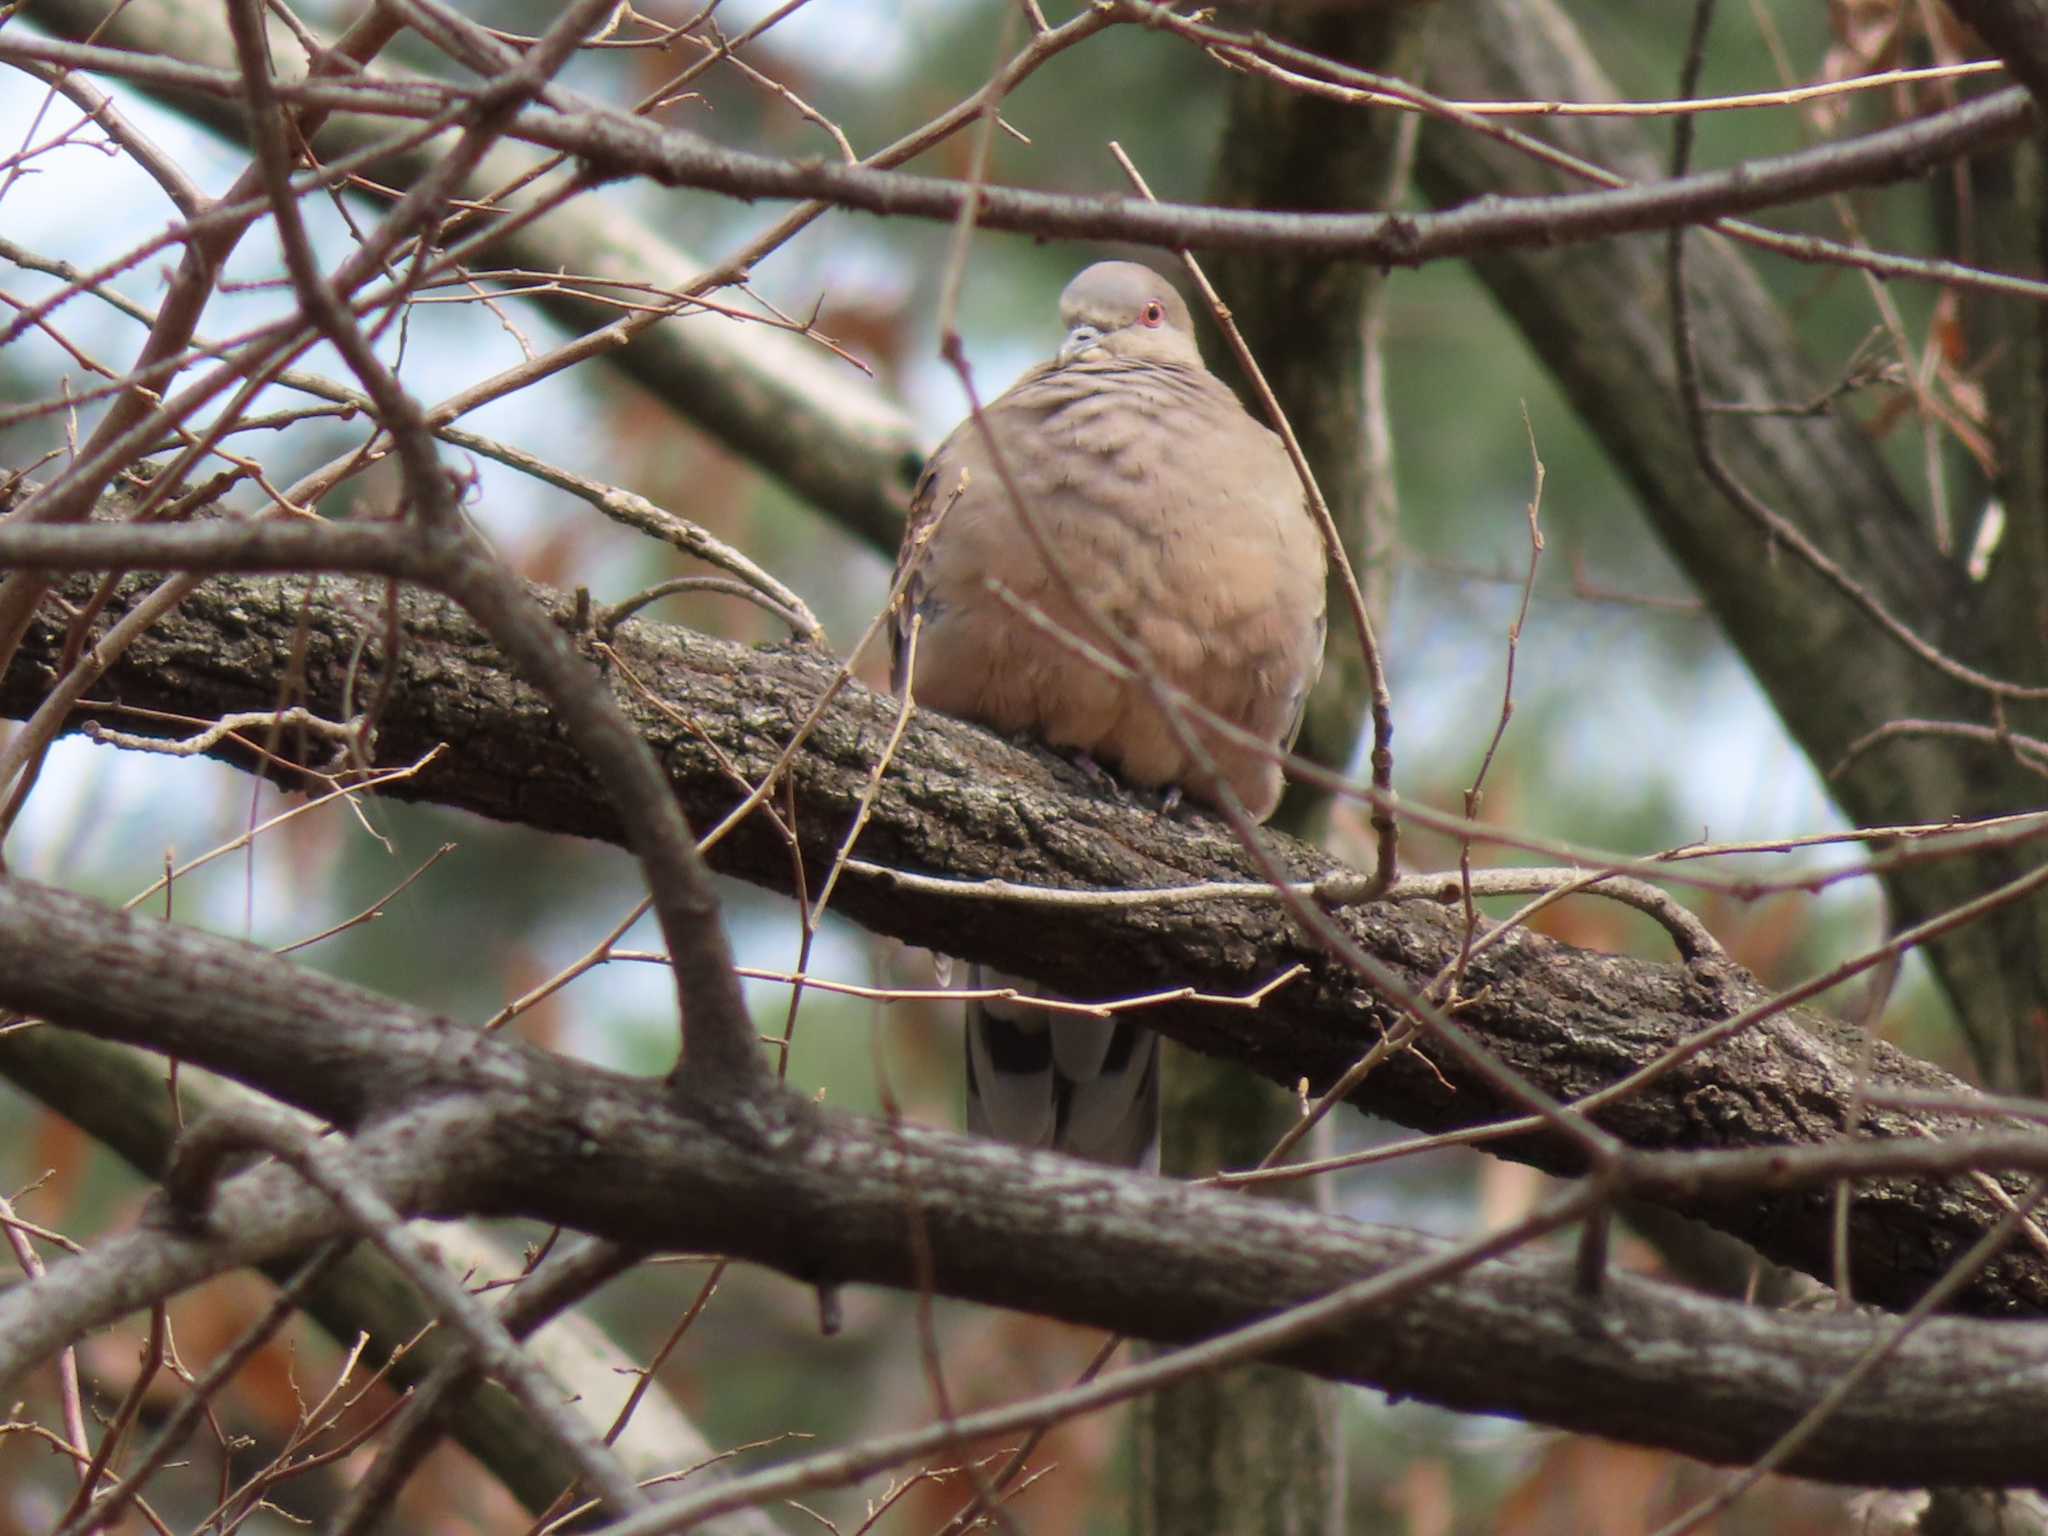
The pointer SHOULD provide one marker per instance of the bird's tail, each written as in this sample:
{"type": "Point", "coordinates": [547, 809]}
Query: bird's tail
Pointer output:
{"type": "Point", "coordinates": [1085, 1086]}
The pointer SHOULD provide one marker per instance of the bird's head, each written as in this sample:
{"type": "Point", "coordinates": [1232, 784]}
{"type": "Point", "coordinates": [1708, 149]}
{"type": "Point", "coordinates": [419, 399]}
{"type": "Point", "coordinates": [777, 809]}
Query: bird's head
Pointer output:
{"type": "Point", "coordinates": [1124, 310]}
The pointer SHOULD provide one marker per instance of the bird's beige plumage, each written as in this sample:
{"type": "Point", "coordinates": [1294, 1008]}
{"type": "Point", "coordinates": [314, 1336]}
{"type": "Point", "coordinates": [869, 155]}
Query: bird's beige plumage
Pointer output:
{"type": "Point", "coordinates": [1177, 521]}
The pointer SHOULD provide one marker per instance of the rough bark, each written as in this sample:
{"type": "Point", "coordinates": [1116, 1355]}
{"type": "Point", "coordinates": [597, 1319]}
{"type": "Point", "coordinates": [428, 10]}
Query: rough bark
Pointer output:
{"type": "Point", "coordinates": [965, 803]}
{"type": "Point", "coordinates": [445, 1120]}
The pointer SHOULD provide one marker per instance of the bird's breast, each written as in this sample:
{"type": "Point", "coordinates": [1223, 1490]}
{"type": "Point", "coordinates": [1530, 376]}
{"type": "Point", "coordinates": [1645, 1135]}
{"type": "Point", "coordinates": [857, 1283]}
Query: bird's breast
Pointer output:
{"type": "Point", "coordinates": [1147, 537]}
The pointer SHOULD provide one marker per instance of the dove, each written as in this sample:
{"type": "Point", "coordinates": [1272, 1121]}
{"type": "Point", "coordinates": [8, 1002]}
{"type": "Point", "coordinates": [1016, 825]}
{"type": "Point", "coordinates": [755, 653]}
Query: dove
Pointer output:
{"type": "Point", "coordinates": [1178, 522]}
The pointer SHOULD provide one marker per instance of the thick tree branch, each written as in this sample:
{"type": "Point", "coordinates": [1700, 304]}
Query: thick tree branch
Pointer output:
{"type": "Point", "coordinates": [964, 803]}
{"type": "Point", "coordinates": [619, 144]}
{"type": "Point", "coordinates": [446, 1120]}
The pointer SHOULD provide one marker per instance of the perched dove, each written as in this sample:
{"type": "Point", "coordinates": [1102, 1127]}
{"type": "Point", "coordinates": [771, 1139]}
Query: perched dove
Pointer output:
{"type": "Point", "coordinates": [1180, 523]}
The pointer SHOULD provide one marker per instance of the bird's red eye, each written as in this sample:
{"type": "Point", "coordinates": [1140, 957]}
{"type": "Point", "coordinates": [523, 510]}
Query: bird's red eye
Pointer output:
{"type": "Point", "coordinates": [1154, 313]}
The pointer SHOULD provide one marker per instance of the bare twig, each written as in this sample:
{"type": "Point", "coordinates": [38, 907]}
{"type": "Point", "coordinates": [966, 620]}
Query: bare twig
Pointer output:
{"type": "Point", "coordinates": [622, 145]}
{"type": "Point", "coordinates": [1475, 795]}
{"type": "Point", "coordinates": [68, 1395]}
{"type": "Point", "coordinates": [330, 1167]}
{"type": "Point", "coordinates": [106, 1508]}
{"type": "Point", "coordinates": [541, 1295]}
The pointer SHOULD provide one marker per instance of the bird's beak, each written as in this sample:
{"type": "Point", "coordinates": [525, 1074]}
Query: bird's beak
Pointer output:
{"type": "Point", "coordinates": [1079, 340]}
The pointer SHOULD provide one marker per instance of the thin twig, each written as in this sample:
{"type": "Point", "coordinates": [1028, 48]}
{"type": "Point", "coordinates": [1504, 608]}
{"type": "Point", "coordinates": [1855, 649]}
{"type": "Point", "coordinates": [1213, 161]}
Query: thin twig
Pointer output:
{"type": "Point", "coordinates": [200, 1391]}
{"type": "Point", "coordinates": [1475, 795]}
{"type": "Point", "coordinates": [332, 1168]}
{"type": "Point", "coordinates": [68, 1394]}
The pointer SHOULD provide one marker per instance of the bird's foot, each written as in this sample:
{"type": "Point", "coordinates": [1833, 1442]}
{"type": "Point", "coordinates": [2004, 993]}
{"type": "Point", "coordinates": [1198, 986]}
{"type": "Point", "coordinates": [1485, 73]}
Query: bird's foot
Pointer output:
{"type": "Point", "coordinates": [1099, 777]}
{"type": "Point", "coordinates": [1162, 802]}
